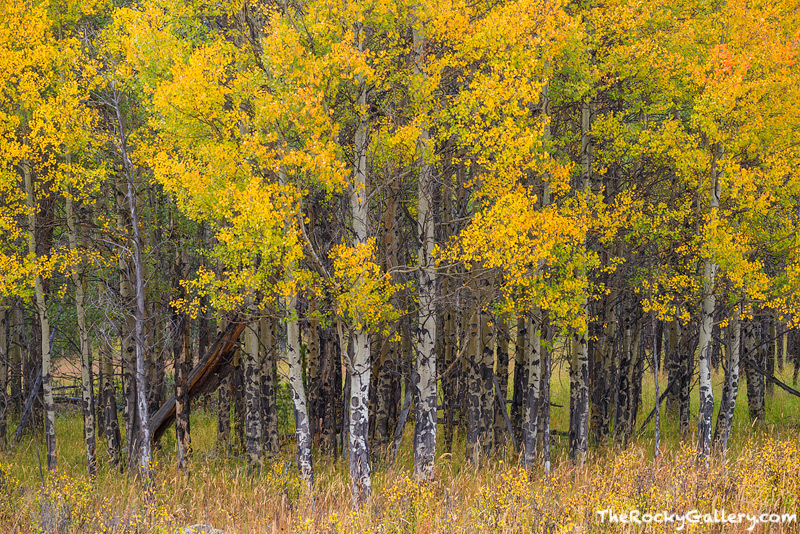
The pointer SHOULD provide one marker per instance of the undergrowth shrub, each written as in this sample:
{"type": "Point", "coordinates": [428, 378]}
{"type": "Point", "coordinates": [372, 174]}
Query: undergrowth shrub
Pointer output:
{"type": "Point", "coordinates": [495, 497]}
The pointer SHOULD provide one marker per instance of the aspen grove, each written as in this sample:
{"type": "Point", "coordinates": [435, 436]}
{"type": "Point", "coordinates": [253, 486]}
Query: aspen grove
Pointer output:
{"type": "Point", "coordinates": [400, 222]}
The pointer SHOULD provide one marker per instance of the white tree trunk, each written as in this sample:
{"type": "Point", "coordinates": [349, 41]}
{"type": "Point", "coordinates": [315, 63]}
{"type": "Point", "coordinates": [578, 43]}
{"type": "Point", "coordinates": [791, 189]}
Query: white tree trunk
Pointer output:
{"type": "Point", "coordinates": [360, 479]}
{"type": "Point", "coordinates": [252, 398]}
{"type": "Point", "coordinates": [5, 314]}
{"type": "Point", "coordinates": [80, 312]}
{"type": "Point", "coordinates": [579, 368]}
{"type": "Point", "coordinates": [425, 384]}
{"type": "Point", "coordinates": [731, 389]}
{"type": "Point", "coordinates": [533, 366]}
{"type": "Point", "coordinates": [44, 320]}
{"type": "Point", "coordinates": [706, 324]}
{"type": "Point", "coordinates": [302, 428]}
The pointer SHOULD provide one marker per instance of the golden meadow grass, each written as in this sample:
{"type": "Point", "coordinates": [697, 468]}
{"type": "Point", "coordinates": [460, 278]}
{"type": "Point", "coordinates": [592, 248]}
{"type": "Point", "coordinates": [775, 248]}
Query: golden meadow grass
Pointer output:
{"type": "Point", "coordinates": [760, 475]}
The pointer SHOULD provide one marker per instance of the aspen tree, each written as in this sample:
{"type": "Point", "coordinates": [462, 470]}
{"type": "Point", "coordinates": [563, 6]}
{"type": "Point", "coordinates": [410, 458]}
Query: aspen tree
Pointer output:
{"type": "Point", "coordinates": [252, 383]}
{"type": "Point", "coordinates": [425, 348]}
{"type": "Point", "coordinates": [269, 421]}
{"type": "Point", "coordinates": [44, 323]}
{"type": "Point", "coordinates": [87, 393]}
{"type": "Point", "coordinates": [706, 323]}
{"type": "Point", "coordinates": [730, 390]}
{"type": "Point", "coordinates": [5, 405]}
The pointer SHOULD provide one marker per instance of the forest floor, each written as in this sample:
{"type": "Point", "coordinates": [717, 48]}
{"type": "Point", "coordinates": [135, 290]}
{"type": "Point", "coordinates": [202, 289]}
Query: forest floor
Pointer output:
{"type": "Point", "coordinates": [761, 475]}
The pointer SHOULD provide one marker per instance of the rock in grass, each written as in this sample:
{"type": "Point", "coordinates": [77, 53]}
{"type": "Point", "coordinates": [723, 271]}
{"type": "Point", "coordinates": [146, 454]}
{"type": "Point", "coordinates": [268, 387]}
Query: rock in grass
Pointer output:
{"type": "Point", "coordinates": [200, 529]}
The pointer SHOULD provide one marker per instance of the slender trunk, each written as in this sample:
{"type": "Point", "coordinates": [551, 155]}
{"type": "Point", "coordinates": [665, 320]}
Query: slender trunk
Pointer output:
{"type": "Point", "coordinates": [384, 384]}
{"type": "Point", "coordinates": [544, 418]}
{"type": "Point", "coordinates": [144, 444]}
{"type": "Point", "coordinates": [755, 381]}
{"type": "Point", "coordinates": [603, 394]}
{"type": "Point", "coordinates": [224, 412]}
{"type": "Point", "coordinates": [237, 381]}
{"type": "Point", "coordinates": [763, 352]}
{"type": "Point", "coordinates": [659, 340]}
{"type": "Point", "coordinates": [686, 351]}
{"type": "Point", "coordinates": [347, 356]}
{"type": "Point", "coordinates": [269, 412]}
{"type": "Point", "coordinates": [486, 372]}
{"type": "Point", "coordinates": [638, 360]}
{"type": "Point", "coordinates": [716, 335]}
{"type": "Point", "coordinates": [374, 406]}
{"type": "Point", "coordinates": [109, 402]}
{"type": "Point", "coordinates": [139, 337]}
{"type": "Point", "coordinates": [44, 323]}
{"type": "Point", "coordinates": [87, 395]}
{"type": "Point", "coordinates": [360, 477]}
{"type": "Point", "coordinates": [673, 368]}
{"type": "Point", "coordinates": [656, 334]}
{"type": "Point", "coordinates": [730, 391]}
{"type": "Point", "coordinates": [386, 364]}
{"type": "Point", "coordinates": [302, 431]}
{"type": "Point", "coordinates": [181, 428]}
{"type": "Point", "coordinates": [706, 328]}
{"type": "Point", "coordinates": [32, 365]}
{"type": "Point", "coordinates": [330, 389]}
{"type": "Point", "coordinates": [501, 366]}
{"type": "Point", "coordinates": [154, 362]}
{"type": "Point", "coordinates": [533, 365]}
{"type": "Point", "coordinates": [360, 368]}
{"type": "Point", "coordinates": [203, 328]}
{"type": "Point", "coordinates": [223, 400]}
{"type": "Point", "coordinates": [98, 405]}
{"type": "Point", "coordinates": [312, 359]}
{"type": "Point", "coordinates": [795, 348]}
{"type": "Point", "coordinates": [622, 427]}
{"type": "Point", "coordinates": [473, 389]}
{"type": "Point", "coordinates": [126, 331]}
{"type": "Point", "coordinates": [181, 351]}
{"type": "Point", "coordinates": [449, 342]}
{"type": "Point", "coordinates": [252, 398]}
{"type": "Point", "coordinates": [16, 357]}
{"type": "Point", "coordinates": [519, 397]}
{"type": "Point", "coordinates": [425, 348]}
{"type": "Point", "coordinates": [579, 363]}
{"type": "Point", "coordinates": [771, 350]}
{"type": "Point", "coordinates": [4, 404]}
{"type": "Point", "coordinates": [183, 433]}
{"type": "Point", "coordinates": [537, 345]}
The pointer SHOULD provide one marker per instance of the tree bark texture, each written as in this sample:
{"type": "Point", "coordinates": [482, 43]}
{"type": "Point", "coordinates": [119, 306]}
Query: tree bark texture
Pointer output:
{"type": "Point", "coordinates": [108, 399]}
{"type": "Point", "coordinates": [252, 398]}
{"type": "Point", "coordinates": [87, 395]}
{"type": "Point", "coordinates": [44, 324]}
{"type": "Point", "coordinates": [730, 390]}
{"type": "Point", "coordinates": [269, 406]}
{"type": "Point", "coordinates": [298, 391]}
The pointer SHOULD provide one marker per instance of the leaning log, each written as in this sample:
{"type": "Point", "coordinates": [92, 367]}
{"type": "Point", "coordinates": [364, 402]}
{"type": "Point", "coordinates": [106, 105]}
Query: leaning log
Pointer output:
{"type": "Point", "coordinates": [204, 378]}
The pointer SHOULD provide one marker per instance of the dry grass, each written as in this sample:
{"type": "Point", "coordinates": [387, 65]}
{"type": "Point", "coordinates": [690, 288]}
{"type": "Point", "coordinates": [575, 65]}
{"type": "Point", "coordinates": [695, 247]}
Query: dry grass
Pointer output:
{"type": "Point", "coordinates": [761, 474]}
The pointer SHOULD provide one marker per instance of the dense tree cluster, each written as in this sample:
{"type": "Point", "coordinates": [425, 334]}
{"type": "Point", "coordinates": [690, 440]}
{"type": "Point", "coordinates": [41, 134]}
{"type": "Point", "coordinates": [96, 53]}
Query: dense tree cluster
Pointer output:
{"type": "Point", "coordinates": [407, 211]}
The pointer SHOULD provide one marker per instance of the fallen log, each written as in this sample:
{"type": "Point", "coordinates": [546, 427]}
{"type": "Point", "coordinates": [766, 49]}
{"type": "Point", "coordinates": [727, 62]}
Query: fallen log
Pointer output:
{"type": "Point", "coordinates": [204, 378]}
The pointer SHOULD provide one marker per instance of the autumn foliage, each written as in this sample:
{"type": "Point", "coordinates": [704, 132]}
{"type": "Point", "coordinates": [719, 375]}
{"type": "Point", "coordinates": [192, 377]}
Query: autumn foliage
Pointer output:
{"type": "Point", "coordinates": [422, 212]}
